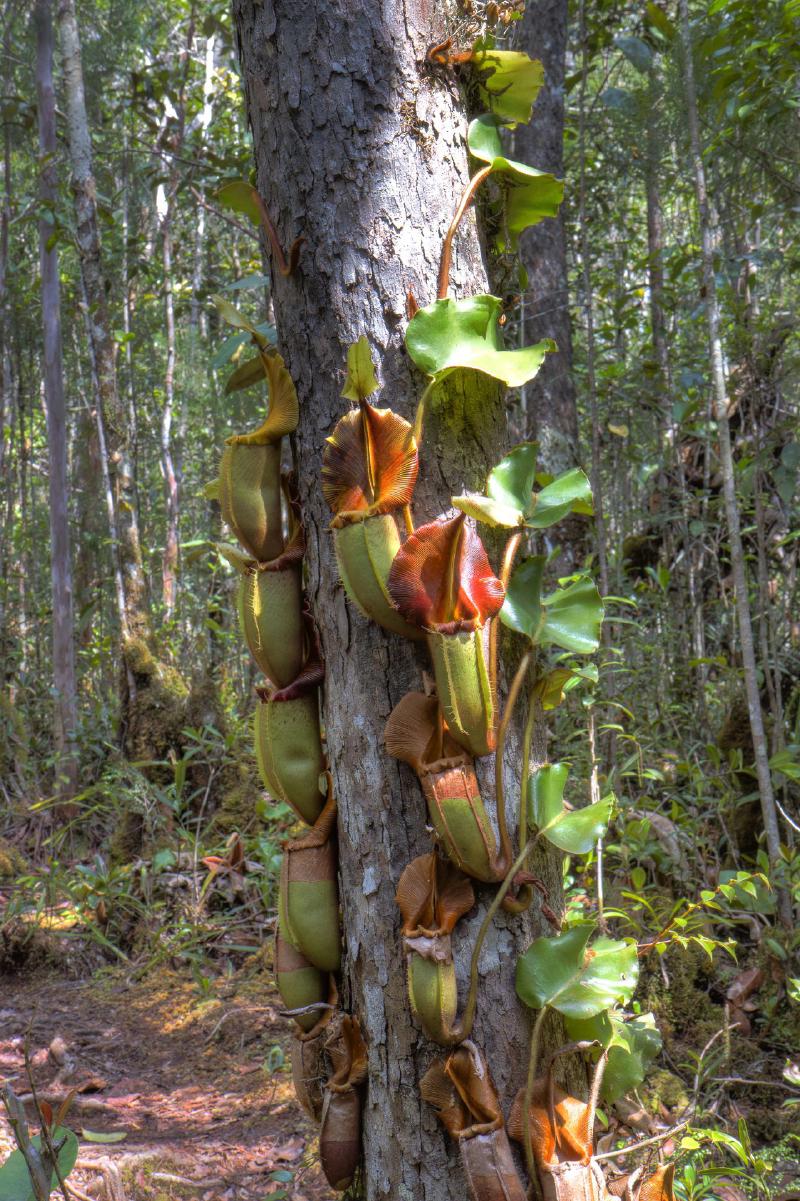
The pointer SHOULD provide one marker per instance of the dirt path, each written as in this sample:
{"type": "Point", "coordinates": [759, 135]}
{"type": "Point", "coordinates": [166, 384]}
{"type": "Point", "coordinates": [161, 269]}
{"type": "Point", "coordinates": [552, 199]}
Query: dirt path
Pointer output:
{"type": "Point", "coordinates": [197, 1078]}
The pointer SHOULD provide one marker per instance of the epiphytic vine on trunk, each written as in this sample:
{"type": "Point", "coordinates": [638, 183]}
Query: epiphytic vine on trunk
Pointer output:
{"type": "Point", "coordinates": [434, 583]}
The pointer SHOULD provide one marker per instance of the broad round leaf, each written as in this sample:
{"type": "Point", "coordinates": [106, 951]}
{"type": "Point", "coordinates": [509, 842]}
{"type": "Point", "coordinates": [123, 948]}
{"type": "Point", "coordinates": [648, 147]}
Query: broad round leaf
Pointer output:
{"type": "Point", "coordinates": [511, 481]}
{"type": "Point", "coordinates": [572, 830]}
{"type": "Point", "coordinates": [510, 82]}
{"type": "Point", "coordinates": [465, 333]}
{"type": "Point", "coordinates": [489, 511]}
{"type": "Point", "coordinates": [631, 1047]}
{"type": "Point", "coordinates": [532, 194]}
{"type": "Point", "coordinates": [573, 616]}
{"type": "Point", "coordinates": [239, 195]}
{"type": "Point", "coordinates": [577, 980]}
{"type": "Point", "coordinates": [522, 608]}
{"type": "Point", "coordinates": [559, 498]}
{"type": "Point", "coordinates": [15, 1181]}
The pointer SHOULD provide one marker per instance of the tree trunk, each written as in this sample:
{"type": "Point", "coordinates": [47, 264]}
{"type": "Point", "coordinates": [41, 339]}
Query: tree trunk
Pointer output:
{"type": "Point", "coordinates": [60, 560]}
{"type": "Point", "coordinates": [169, 568]}
{"type": "Point", "coordinates": [112, 420]}
{"type": "Point", "coordinates": [720, 410]}
{"type": "Point", "coordinates": [588, 308]}
{"type": "Point", "coordinates": [670, 432]}
{"type": "Point", "coordinates": [359, 148]}
{"type": "Point", "coordinates": [550, 399]}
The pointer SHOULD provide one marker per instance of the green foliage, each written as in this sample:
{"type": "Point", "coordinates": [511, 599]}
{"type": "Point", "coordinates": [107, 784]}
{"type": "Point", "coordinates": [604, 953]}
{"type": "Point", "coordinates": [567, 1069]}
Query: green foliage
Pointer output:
{"type": "Point", "coordinates": [632, 1042]}
{"type": "Point", "coordinates": [361, 380]}
{"type": "Point", "coordinates": [15, 1181]}
{"type": "Point", "coordinates": [574, 978]}
{"type": "Point", "coordinates": [465, 333]}
{"type": "Point", "coordinates": [529, 195]}
{"type": "Point", "coordinates": [697, 1177]}
{"type": "Point", "coordinates": [572, 830]}
{"type": "Point", "coordinates": [511, 502]}
{"type": "Point", "coordinates": [510, 82]}
{"type": "Point", "coordinates": [569, 617]}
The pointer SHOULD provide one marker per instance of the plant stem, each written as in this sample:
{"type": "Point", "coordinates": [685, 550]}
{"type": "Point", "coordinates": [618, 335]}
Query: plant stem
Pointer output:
{"type": "Point", "coordinates": [423, 400]}
{"type": "Point", "coordinates": [509, 554]}
{"type": "Point", "coordinates": [533, 1063]}
{"type": "Point", "coordinates": [525, 786]}
{"type": "Point", "coordinates": [447, 245]}
{"type": "Point", "coordinates": [408, 519]}
{"type": "Point", "coordinates": [465, 1025]}
{"type": "Point", "coordinates": [505, 721]}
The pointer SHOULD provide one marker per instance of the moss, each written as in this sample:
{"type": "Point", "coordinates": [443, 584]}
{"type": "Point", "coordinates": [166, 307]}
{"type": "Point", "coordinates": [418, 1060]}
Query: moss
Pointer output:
{"type": "Point", "coordinates": [640, 551]}
{"type": "Point", "coordinates": [237, 809]}
{"type": "Point", "coordinates": [203, 705]}
{"type": "Point", "coordinates": [685, 1013]}
{"type": "Point", "coordinates": [12, 863]}
{"type": "Point", "coordinates": [127, 840]}
{"type": "Point", "coordinates": [664, 1088]}
{"type": "Point", "coordinates": [155, 715]}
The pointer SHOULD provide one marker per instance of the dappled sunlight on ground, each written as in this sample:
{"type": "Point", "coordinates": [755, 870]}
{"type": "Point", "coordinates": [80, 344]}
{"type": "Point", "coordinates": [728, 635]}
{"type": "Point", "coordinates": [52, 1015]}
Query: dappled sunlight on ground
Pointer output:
{"type": "Point", "coordinates": [197, 1079]}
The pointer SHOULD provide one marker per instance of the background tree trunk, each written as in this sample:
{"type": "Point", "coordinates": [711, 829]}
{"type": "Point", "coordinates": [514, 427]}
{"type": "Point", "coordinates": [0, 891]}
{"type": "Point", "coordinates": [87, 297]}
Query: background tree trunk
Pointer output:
{"type": "Point", "coordinates": [60, 560]}
{"type": "Point", "coordinates": [130, 584]}
{"type": "Point", "coordinates": [362, 151]}
{"type": "Point", "coordinates": [550, 398]}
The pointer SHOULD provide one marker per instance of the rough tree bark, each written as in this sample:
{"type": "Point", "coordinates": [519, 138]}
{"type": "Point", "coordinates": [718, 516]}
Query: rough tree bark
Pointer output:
{"type": "Point", "coordinates": [361, 150]}
{"type": "Point", "coordinates": [60, 556]}
{"type": "Point", "coordinates": [550, 399]}
{"type": "Point", "coordinates": [131, 588]}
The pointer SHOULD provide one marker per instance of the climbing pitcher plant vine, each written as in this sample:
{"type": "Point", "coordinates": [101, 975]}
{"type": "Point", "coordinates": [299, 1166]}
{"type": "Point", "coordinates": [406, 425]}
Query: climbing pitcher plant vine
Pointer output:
{"type": "Point", "coordinates": [433, 582]}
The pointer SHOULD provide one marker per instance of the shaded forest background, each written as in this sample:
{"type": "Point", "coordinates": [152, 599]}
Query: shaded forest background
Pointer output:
{"type": "Point", "coordinates": [120, 792]}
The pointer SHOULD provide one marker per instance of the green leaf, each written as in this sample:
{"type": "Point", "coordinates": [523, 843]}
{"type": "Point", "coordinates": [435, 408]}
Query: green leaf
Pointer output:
{"type": "Point", "coordinates": [510, 82]}
{"type": "Point", "coordinates": [560, 498]}
{"type": "Point", "coordinates": [510, 500]}
{"type": "Point", "coordinates": [228, 349]}
{"type": "Point", "coordinates": [570, 617]}
{"type": "Point", "coordinates": [572, 830]}
{"type": "Point", "coordinates": [637, 52]}
{"type": "Point", "coordinates": [511, 481]}
{"type": "Point", "coordinates": [240, 196]}
{"type": "Point", "coordinates": [577, 980]}
{"type": "Point", "coordinates": [509, 490]}
{"type": "Point", "coordinates": [573, 616]}
{"type": "Point", "coordinates": [631, 1046]}
{"type": "Point", "coordinates": [15, 1181]}
{"type": "Point", "coordinates": [659, 20]}
{"type": "Point", "coordinates": [465, 333]}
{"type": "Point", "coordinates": [248, 283]}
{"type": "Point", "coordinates": [532, 195]}
{"type": "Point", "coordinates": [361, 379]}
{"type": "Point", "coordinates": [491, 512]}
{"type": "Point", "coordinates": [522, 607]}
{"type": "Point", "coordinates": [786, 762]}
{"type": "Point", "coordinates": [552, 687]}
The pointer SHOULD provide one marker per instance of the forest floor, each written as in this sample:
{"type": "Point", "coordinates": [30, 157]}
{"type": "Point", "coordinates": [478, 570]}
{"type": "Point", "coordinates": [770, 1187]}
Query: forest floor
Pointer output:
{"type": "Point", "coordinates": [194, 1078]}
